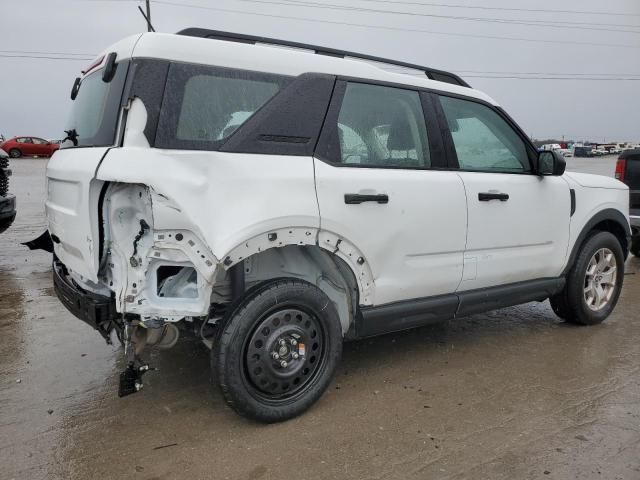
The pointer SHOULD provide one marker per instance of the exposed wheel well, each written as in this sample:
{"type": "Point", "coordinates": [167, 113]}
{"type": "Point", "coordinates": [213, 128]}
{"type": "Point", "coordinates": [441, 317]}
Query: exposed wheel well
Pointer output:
{"type": "Point", "coordinates": [616, 229]}
{"type": "Point", "coordinates": [610, 220]}
{"type": "Point", "coordinates": [307, 262]}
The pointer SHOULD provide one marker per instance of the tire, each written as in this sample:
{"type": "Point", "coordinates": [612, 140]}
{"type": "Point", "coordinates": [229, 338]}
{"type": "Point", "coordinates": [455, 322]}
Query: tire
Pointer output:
{"type": "Point", "coordinates": [635, 246]}
{"type": "Point", "coordinates": [287, 318]}
{"type": "Point", "coordinates": [577, 305]}
{"type": "Point", "coordinates": [15, 153]}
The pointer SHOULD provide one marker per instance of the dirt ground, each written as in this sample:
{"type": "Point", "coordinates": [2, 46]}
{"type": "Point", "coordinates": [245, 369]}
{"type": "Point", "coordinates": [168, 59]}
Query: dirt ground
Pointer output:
{"type": "Point", "coordinates": [513, 394]}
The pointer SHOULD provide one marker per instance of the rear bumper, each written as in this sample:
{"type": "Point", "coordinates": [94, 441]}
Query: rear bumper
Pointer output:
{"type": "Point", "coordinates": [7, 211]}
{"type": "Point", "coordinates": [93, 309]}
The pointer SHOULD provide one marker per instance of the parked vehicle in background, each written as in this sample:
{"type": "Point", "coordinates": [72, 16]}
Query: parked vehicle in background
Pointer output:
{"type": "Point", "coordinates": [565, 152]}
{"type": "Point", "coordinates": [18, 147]}
{"type": "Point", "coordinates": [551, 146]}
{"type": "Point", "coordinates": [628, 171]}
{"type": "Point", "coordinates": [277, 201]}
{"type": "Point", "coordinates": [7, 201]}
{"type": "Point", "coordinates": [584, 151]}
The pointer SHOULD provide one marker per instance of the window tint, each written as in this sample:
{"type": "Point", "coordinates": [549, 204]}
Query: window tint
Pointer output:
{"type": "Point", "coordinates": [483, 140]}
{"type": "Point", "coordinates": [203, 106]}
{"type": "Point", "coordinates": [381, 126]}
{"type": "Point", "coordinates": [38, 141]}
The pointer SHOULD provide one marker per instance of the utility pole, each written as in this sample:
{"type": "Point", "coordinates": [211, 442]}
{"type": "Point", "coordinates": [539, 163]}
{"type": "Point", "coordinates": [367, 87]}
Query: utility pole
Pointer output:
{"type": "Point", "coordinates": [148, 4]}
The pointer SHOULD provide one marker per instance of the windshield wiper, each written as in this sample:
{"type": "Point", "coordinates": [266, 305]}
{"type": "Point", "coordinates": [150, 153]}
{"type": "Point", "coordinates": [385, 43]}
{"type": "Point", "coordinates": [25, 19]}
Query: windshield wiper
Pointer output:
{"type": "Point", "coordinates": [71, 135]}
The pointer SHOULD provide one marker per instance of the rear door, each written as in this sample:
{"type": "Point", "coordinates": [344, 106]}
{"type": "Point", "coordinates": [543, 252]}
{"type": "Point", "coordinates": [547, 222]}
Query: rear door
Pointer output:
{"type": "Point", "coordinates": [380, 189]}
{"type": "Point", "coordinates": [518, 222]}
{"type": "Point", "coordinates": [73, 192]}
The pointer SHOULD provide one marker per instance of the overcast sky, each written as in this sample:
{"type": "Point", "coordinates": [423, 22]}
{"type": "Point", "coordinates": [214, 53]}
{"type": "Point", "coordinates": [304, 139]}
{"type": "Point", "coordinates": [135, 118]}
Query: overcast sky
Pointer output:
{"type": "Point", "coordinates": [34, 92]}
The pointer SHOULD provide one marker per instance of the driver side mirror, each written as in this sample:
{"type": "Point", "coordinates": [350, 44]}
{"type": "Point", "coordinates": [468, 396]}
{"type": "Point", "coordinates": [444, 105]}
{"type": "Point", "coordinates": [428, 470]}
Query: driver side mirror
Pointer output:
{"type": "Point", "coordinates": [551, 163]}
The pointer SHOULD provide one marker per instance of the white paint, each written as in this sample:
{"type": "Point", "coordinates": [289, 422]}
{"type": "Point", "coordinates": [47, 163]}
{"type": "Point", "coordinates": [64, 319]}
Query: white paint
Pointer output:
{"type": "Point", "coordinates": [413, 245]}
{"type": "Point", "coordinates": [270, 58]}
{"type": "Point", "coordinates": [72, 207]}
{"type": "Point", "coordinates": [523, 238]}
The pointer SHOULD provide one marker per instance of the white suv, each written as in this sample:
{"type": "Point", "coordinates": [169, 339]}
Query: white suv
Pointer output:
{"type": "Point", "coordinates": [277, 198]}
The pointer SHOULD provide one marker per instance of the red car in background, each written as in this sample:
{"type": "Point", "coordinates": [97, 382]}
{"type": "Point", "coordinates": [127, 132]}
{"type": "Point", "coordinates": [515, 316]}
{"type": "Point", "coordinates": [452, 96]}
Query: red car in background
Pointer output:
{"type": "Point", "coordinates": [21, 146]}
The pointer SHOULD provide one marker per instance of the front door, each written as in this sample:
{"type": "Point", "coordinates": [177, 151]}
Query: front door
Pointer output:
{"type": "Point", "coordinates": [379, 189]}
{"type": "Point", "coordinates": [518, 222]}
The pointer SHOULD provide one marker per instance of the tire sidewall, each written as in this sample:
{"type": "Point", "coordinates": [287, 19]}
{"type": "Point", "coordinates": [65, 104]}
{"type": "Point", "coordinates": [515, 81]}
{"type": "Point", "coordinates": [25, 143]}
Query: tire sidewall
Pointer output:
{"type": "Point", "coordinates": [228, 361]}
{"type": "Point", "coordinates": [584, 314]}
{"type": "Point", "coordinates": [15, 153]}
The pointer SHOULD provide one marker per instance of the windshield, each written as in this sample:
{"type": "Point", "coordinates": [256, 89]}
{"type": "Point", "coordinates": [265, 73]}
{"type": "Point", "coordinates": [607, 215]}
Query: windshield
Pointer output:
{"type": "Point", "coordinates": [94, 112]}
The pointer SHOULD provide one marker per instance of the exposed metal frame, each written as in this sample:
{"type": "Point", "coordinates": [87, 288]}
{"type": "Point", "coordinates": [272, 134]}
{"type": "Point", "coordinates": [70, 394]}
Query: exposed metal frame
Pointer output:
{"type": "Point", "coordinates": [431, 73]}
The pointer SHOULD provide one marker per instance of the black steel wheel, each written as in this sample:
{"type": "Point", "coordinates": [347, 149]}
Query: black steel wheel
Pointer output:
{"type": "Point", "coordinates": [278, 350]}
{"type": "Point", "coordinates": [284, 353]}
{"type": "Point", "coordinates": [15, 153]}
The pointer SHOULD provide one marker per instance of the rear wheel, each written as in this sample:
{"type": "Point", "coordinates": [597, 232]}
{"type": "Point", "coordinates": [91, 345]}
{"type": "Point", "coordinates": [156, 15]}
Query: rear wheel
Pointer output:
{"type": "Point", "coordinates": [594, 282]}
{"type": "Point", "coordinates": [278, 350]}
{"type": "Point", "coordinates": [15, 153]}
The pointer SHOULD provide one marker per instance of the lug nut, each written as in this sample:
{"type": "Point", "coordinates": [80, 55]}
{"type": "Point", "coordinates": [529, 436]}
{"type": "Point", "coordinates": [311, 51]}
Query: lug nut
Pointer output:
{"type": "Point", "coordinates": [282, 342]}
{"type": "Point", "coordinates": [295, 355]}
{"type": "Point", "coordinates": [275, 355]}
{"type": "Point", "coordinates": [283, 364]}
{"type": "Point", "coordinates": [293, 342]}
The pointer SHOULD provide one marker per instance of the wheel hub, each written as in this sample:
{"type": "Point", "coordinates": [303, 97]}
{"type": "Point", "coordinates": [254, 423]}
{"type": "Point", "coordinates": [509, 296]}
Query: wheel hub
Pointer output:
{"type": "Point", "coordinates": [600, 279]}
{"type": "Point", "coordinates": [284, 352]}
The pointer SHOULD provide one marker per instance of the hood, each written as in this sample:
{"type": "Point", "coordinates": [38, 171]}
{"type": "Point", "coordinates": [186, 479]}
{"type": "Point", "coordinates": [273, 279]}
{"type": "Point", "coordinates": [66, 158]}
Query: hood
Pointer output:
{"type": "Point", "coordinates": [596, 181]}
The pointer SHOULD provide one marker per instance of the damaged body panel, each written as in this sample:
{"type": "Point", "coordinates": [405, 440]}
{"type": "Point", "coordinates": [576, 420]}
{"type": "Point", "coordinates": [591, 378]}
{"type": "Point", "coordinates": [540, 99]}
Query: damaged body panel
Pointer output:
{"type": "Point", "coordinates": [274, 202]}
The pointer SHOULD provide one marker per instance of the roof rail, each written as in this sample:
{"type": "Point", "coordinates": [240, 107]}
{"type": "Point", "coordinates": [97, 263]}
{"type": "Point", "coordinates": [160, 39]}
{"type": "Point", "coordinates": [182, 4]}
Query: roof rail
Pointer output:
{"type": "Point", "coordinates": [432, 73]}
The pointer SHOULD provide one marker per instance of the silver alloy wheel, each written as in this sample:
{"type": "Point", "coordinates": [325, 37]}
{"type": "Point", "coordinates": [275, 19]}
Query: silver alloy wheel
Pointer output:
{"type": "Point", "coordinates": [600, 279]}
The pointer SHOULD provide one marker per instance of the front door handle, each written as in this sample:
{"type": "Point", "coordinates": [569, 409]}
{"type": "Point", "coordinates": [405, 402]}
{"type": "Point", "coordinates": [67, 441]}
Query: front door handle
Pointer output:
{"type": "Point", "coordinates": [357, 198]}
{"type": "Point", "coordinates": [488, 196]}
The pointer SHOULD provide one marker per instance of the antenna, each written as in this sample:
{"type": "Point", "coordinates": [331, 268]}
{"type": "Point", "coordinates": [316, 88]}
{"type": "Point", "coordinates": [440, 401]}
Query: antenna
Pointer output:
{"type": "Point", "coordinates": [147, 16]}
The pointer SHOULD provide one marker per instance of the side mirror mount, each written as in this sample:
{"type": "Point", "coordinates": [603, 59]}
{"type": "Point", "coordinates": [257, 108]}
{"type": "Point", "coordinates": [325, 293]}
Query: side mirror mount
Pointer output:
{"type": "Point", "coordinates": [550, 163]}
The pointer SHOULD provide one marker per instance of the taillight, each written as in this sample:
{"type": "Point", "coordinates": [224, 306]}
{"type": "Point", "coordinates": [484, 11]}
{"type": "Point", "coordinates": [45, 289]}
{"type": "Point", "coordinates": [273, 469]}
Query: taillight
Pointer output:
{"type": "Point", "coordinates": [620, 168]}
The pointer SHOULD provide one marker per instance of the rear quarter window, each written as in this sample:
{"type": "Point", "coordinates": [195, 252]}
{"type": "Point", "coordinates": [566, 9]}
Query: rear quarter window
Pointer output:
{"type": "Point", "coordinates": [95, 110]}
{"type": "Point", "coordinates": [203, 106]}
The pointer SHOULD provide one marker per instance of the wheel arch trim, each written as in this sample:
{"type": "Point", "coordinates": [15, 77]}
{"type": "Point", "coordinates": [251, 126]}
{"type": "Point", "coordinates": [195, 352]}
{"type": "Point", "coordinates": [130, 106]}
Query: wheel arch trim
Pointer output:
{"type": "Point", "coordinates": [606, 215]}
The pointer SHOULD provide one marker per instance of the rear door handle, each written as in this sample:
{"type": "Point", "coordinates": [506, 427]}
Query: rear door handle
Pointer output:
{"type": "Point", "coordinates": [488, 196]}
{"type": "Point", "coordinates": [357, 198]}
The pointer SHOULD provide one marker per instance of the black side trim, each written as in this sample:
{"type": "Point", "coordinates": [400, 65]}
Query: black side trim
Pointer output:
{"type": "Point", "coordinates": [290, 123]}
{"type": "Point", "coordinates": [610, 215]}
{"type": "Point", "coordinates": [404, 315]}
{"type": "Point", "coordinates": [148, 80]}
{"type": "Point", "coordinates": [432, 73]}
{"type": "Point", "coordinates": [492, 298]}
{"type": "Point", "coordinates": [572, 192]}
{"type": "Point", "coordinates": [423, 311]}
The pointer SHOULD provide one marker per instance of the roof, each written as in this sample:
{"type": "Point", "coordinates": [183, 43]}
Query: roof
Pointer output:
{"type": "Point", "coordinates": [280, 59]}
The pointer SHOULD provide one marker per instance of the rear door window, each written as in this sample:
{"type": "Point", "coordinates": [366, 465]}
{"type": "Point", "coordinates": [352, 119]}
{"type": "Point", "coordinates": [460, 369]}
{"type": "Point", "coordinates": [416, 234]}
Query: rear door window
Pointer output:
{"type": "Point", "coordinates": [204, 106]}
{"type": "Point", "coordinates": [378, 126]}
